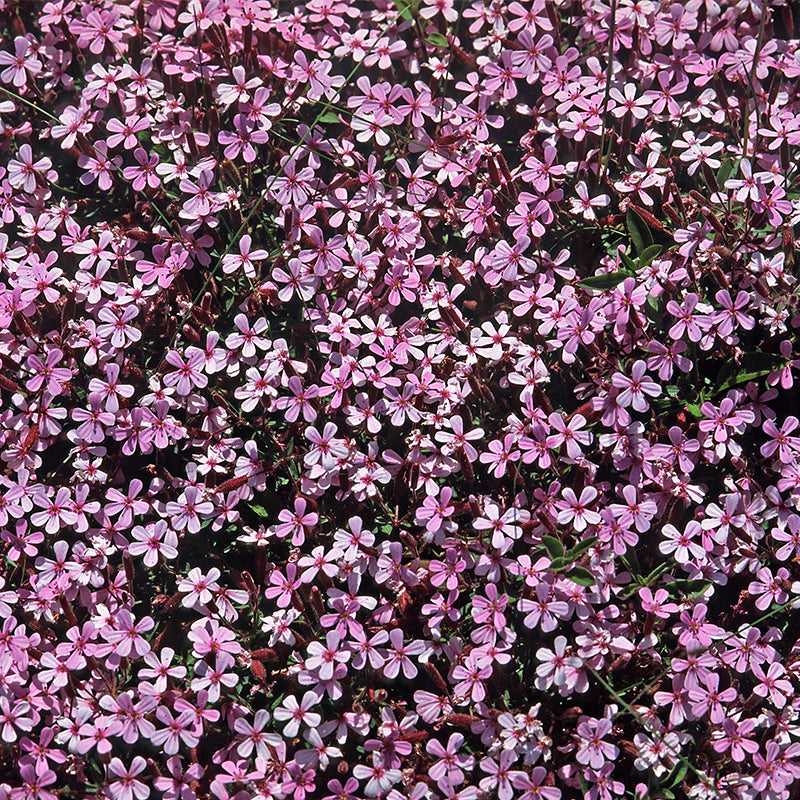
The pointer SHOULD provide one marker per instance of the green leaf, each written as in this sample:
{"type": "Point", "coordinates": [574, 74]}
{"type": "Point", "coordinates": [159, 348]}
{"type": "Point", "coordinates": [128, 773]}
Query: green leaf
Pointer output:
{"type": "Point", "coordinates": [559, 563]}
{"type": "Point", "coordinates": [697, 586]}
{"type": "Point", "coordinates": [694, 410]}
{"type": "Point", "coordinates": [260, 511]}
{"type": "Point", "coordinates": [582, 547]}
{"type": "Point", "coordinates": [751, 366]}
{"type": "Point", "coordinates": [437, 40]}
{"type": "Point", "coordinates": [639, 231]}
{"type": "Point", "coordinates": [582, 577]}
{"type": "Point", "coordinates": [728, 168]}
{"type": "Point", "coordinates": [406, 8]}
{"type": "Point", "coordinates": [553, 546]}
{"type": "Point", "coordinates": [603, 282]}
{"type": "Point", "coordinates": [678, 774]}
{"type": "Point", "coordinates": [329, 118]}
{"type": "Point", "coordinates": [648, 254]}
{"type": "Point", "coordinates": [687, 586]}
{"type": "Point", "coordinates": [633, 564]}
{"type": "Point", "coordinates": [627, 262]}
{"type": "Point", "coordinates": [652, 301]}
{"type": "Point", "coordinates": [652, 309]}
{"type": "Point", "coordinates": [656, 573]}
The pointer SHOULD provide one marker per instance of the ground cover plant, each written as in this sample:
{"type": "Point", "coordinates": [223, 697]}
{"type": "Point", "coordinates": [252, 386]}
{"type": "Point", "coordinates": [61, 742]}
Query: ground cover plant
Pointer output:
{"type": "Point", "coordinates": [398, 400]}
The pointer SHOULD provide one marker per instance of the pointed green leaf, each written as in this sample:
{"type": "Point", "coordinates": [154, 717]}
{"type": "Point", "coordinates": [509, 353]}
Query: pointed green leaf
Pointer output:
{"type": "Point", "coordinates": [553, 546]}
{"type": "Point", "coordinates": [638, 231]}
{"type": "Point", "coordinates": [582, 577]}
{"type": "Point", "coordinates": [406, 8]}
{"type": "Point", "coordinates": [678, 774]}
{"type": "Point", "coordinates": [694, 410]}
{"type": "Point", "coordinates": [750, 367]}
{"type": "Point", "coordinates": [582, 547]}
{"type": "Point", "coordinates": [627, 262]}
{"type": "Point", "coordinates": [657, 573]}
{"type": "Point", "coordinates": [728, 168]}
{"type": "Point", "coordinates": [603, 282]}
{"type": "Point", "coordinates": [633, 565]}
{"type": "Point", "coordinates": [437, 40]}
{"type": "Point", "coordinates": [648, 254]}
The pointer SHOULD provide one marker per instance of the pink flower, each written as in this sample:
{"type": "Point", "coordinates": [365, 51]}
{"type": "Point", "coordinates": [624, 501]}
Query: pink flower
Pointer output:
{"type": "Point", "coordinates": [299, 402]}
{"type": "Point", "coordinates": [544, 610]}
{"type": "Point", "coordinates": [379, 779]}
{"type": "Point", "coordinates": [198, 587]}
{"type": "Point", "coordinates": [160, 669]}
{"type": "Point", "coordinates": [124, 784]}
{"type": "Point", "coordinates": [479, 211]}
{"type": "Point", "coordinates": [434, 511]}
{"type": "Point", "coordinates": [732, 315]}
{"type": "Point", "coordinates": [575, 510]}
{"type": "Point", "coordinates": [633, 390]}
{"type": "Point", "coordinates": [20, 66]}
{"type": "Point", "coordinates": [154, 540]}
{"type": "Point", "coordinates": [451, 763]}
{"type": "Point", "coordinates": [586, 205]}
{"type": "Point", "coordinates": [471, 677]}
{"type": "Point", "coordinates": [294, 714]}
{"type": "Point", "coordinates": [786, 446]}
{"type": "Point", "coordinates": [144, 175]}
{"type": "Point", "coordinates": [282, 586]}
{"type": "Point", "coordinates": [654, 603]}
{"type": "Point", "coordinates": [500, 453]}
{"type": "Point", "coordinates": [592, 749]}
{"type": "Point", "coordinates": [58, 511]}
{"type": "Point", "coordinates": [178, 785]}
{"type": "Point", "coordinates": [116, 328]}
{"type": "Point", "coordinates": [682, 543]}
{"type": "Point", "coordinates": [770, 589]}
{"type": "Point", "coordinates": [33, 782]}
{"type": "Point", "coordinates": [189, 375]}
{"type": "Point", "coordinates": [244, 260]}
{"type": "Point", "coordinates": [707, 699]}
{"type": "Point", "coordinates": [398, 655]}
{"type": "Point", "coordinates": [175, 731]}
{"type": "Point", "coordinates": [23, 172]}
{"type": "Point", "coordinates": [533, 785]}
{"type": "Point", "coordinates": [187, 510]}
{"type": "Point", "coordinates": [733, 739]}
{"type": "Point", "coordinates": [568, 432]}
{"type": "Point", "coordinates": [297, 523]}
{"type": "Point", "coordinates": [99, 167]}
{"type": "Point", "coordinates": [695, 632]}
{"type": "Point", "coordinates": [500, 775]}
{"type": "Point", "coordinates": [127, 632]}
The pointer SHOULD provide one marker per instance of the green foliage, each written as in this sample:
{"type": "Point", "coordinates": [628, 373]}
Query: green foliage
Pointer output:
{"type": "Point", "coordinates": [750, 366]}
{"type": "Point", "coordinates": [608, 281]}
{"type": "Point", "coordinates": [437, 40]}
{"type": "Point", "coordinates": [639, 232]}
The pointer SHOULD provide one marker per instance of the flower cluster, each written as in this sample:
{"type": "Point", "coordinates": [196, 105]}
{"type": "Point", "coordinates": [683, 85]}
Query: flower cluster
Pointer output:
{"type": "Point", "coordinates": [396, 400]}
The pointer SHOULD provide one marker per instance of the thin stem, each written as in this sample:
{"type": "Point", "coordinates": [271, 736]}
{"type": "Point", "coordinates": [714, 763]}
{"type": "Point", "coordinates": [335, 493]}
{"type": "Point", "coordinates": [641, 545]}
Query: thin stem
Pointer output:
{"type": "Point", "coordinates": [751, 78]}
{"type": "Point", "coordinates": [612, 30]}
